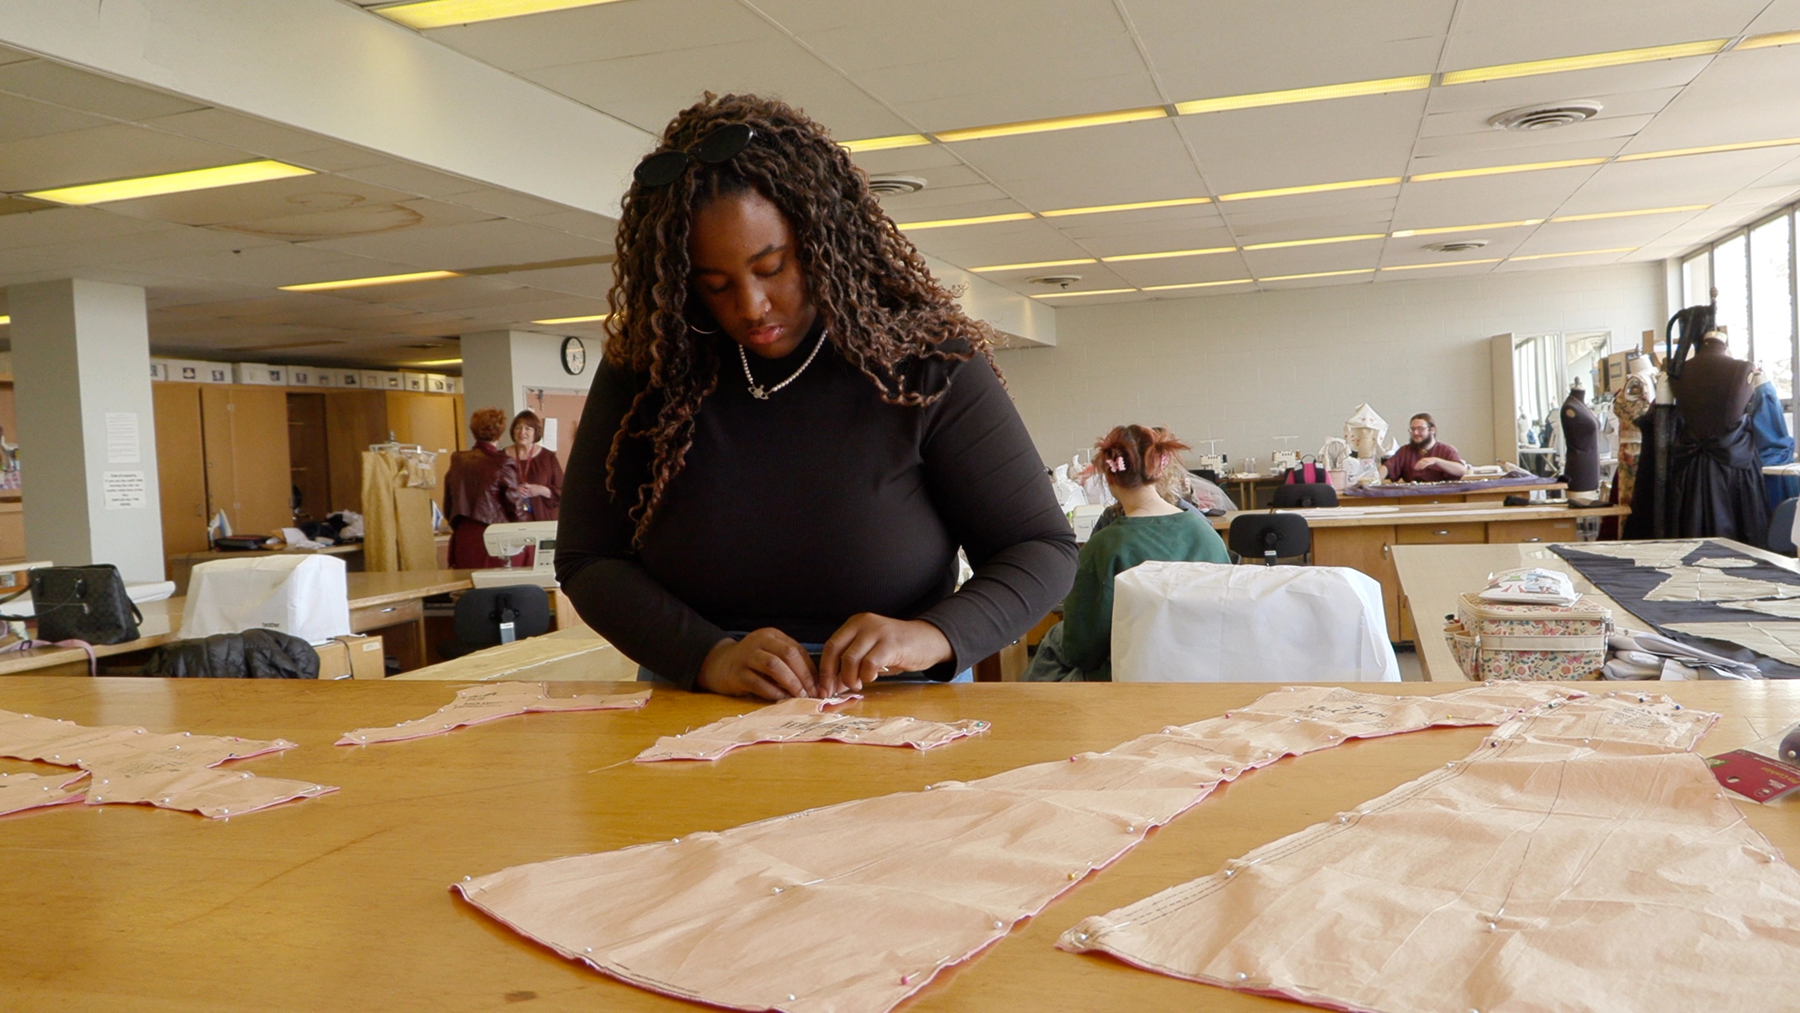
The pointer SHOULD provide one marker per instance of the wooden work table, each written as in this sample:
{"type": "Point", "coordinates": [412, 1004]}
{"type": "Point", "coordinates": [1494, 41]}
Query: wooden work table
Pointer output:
{"type": "Point", "coordinates": [378, 601]}
{"type": "Point", "coordinates": [1434, 577]}
{"type": "Point", "coordinates": [1363, 536]}
{"type": "Point", "coordinates": [343, 901]}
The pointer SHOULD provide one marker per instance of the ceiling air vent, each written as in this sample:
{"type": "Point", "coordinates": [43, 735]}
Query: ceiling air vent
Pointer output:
{"type": "Point", "coordinates": [887, 186]}
{"type": "Point", "coordinates": [1457, 246]}
{"type": "Point", "coordinates": [1059, 280]}
{"type": "Point", "coordinates": [1546, 117]}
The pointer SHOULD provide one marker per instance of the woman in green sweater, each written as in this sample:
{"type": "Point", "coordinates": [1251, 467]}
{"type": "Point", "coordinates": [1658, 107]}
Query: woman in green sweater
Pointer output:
{"type": "Point", "coordinates": [1132, 458]}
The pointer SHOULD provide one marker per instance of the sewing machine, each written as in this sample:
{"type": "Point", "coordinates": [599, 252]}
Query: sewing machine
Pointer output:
{"type": "Point", "coordinates": [507, 541]}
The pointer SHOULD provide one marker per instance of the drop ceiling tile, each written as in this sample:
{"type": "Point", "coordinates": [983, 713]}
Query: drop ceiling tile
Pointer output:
{"type": "Point", "coordinates": [479, 244]}
{"type": "Point", "coordinates": [23, 117]}
{"type": "Point", "coordinates": [1592, 147]}
{"type": "Point", "coordinates": [78, 89]}
{"type": "Point", "coordinates": [1779, 16]}
{"type": "Point", "coordinates": [67, 224]}
{"type": "Point", "coordinates": [1473, 119]}
{"type": "Point", "coordinates": [236, 130]}
{"type": "Point", "coordinates": [581, 223]}
{"type": "Point", "coordinates": [173, 241]}
{"type": "Point", "coordinates": [918, 160]}
{"type": "Point", "coordinates": [269, 267]}
{"type": "Point", "coordinates": [649, 90]}
{"type": "Point", "coordinates": [591, 281]}
{"type": "Point", "coordinates": [951, 173]}
{"type": "Point", "coordinates": [1314, 142]}
{"type": "Point", "coordinates": [1219, 267]}
{"type": "Point", "coordinates": [1416, 249]}
{"type": "Point", "coordinates": [412, 179]}
{"type": "Point", "coordinates": [504, 203]}
{"type": "Point", "coordinates": [1713, 109]}
{"type": "Point", "coordinates": [1154, 225]}
{"type": "Point", "coordinates": [1646, 79]}
{"type": "Point", "coordinates": [1448, 270]}
{"type": "Point", "coordinates": [1450, 202]}
{"type": "Point", "coordinates": [337, 158]}
{"type": "Point", "coordinates": [118, 151]}
{"type": "Point", "coordinates": [971, 209]}
{"type": "Point", "coordinates": [1670, 182]}
{"type": "Point", "coordinates": [1308, 259]}
{"type": "Point", "coordinates": [1201, 50]}
{"type": "Point", "coordinates": [1488, 32]}
{"type": "Point", "coordinates": [1498, 147]}
{"type": "Point", "coordinates": [1119, 163]}
{"type": "Point", "coordinates": [8, 55]}
{"type": "Point", "coordinates": [935, 202]}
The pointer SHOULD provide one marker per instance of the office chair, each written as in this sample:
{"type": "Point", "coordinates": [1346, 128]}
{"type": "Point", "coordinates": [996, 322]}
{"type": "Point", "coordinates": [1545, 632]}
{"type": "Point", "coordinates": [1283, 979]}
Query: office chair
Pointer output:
{"type": "Point", "coordinates": [1270, 536]}
{"type": "Point", "coordinates": [1305, 494]}
{"type": "Point", "coordinates": [1781, 528]}
{"type": "Point", "coordinates": [488, 616]}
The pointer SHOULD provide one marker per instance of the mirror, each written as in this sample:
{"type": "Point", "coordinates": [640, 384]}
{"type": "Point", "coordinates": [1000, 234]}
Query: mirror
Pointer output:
{"type": "Point", "coordinates": [1542, 367]}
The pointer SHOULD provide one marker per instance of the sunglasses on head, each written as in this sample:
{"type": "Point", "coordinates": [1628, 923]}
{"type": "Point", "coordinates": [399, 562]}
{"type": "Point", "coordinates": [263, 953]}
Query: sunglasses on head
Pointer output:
{"type": "Point", "coordinates": [721, 145]}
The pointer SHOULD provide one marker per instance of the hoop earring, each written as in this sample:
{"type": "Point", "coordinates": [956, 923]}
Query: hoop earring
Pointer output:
{"type": "Point", "coordinates": [697, 330]}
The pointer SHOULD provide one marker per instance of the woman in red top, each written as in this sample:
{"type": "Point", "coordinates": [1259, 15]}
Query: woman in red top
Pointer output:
{"type": "Point", "coordinates": [481, 488]}
{"type": "Point", "coordinates": [540, 473]}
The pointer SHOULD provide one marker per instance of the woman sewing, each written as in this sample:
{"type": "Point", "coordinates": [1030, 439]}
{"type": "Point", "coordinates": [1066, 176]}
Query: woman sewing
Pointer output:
{"type": "Point", "coordinates": [793, 429]}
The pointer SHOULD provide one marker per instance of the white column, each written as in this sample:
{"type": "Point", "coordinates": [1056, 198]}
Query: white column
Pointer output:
{"type": "Point", "coordinates": [490, 376]}
{"type": "Point", "coordinates": [87, 425]}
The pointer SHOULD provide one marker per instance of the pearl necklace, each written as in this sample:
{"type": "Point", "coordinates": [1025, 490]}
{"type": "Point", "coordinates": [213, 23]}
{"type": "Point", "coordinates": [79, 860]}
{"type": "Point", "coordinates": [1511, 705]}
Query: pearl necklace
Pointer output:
{"type": "Point", "coordinates": [757, 390]}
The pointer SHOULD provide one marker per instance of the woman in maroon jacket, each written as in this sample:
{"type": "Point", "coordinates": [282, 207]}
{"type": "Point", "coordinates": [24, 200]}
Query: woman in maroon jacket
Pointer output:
{"type": "Point", "coordinates": [540, 473]}
{"type": "Point", "coordinates": [481, 488]}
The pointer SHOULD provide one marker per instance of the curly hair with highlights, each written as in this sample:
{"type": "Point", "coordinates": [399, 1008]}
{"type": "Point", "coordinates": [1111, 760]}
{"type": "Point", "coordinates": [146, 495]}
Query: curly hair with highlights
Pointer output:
{"type": "Point", "coordinates": [486, 424]}
{"type": "Point", "coordinates": [880, 306]}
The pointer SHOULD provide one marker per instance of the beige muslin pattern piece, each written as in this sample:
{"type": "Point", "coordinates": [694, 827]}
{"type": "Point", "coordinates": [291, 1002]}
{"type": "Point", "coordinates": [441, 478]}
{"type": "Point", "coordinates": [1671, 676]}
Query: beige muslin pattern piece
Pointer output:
{"type": "Point", "coordinates": [856, 906]}
{"type": "Point", "coordinates": [23, 790]}
{"type": "Point", "coordinates": [1580, 859]}
{"type": "Point", "coordinates": [167, 770]}
{"type": "Point", "coordinates": [1696, 583]}
{"type": "Point", "coordinates": [806, 720]}
{"type": "Point", "coordinates": [490, 702]}
{"type": "Point", "coordinates": [1657, 555]}
{"type": "Point", "coordinates": [1780, 641]}
{"type": "Point", "coordinates": [1788, 608]}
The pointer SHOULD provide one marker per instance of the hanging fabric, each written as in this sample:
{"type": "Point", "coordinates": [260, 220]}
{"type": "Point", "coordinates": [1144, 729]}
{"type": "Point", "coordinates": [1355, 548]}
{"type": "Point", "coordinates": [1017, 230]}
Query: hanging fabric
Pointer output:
{"type": "Point", "coordinates": [397, 532]}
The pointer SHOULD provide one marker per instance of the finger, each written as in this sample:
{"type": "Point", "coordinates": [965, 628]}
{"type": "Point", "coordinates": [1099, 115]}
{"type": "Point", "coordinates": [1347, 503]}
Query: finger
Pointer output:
{"type": "Point", "coordinates": [757, 684]}
{"type": "Point", "coordinates": [831, 656]}
{"type": "Point", "coordinates": [871, 669]}
{"type": "Point", "coordinates": [852, 668]}
{"type": "Point", "coordinates": [798, 661]}
{"type": "Point", "coordinates": [776, 669]}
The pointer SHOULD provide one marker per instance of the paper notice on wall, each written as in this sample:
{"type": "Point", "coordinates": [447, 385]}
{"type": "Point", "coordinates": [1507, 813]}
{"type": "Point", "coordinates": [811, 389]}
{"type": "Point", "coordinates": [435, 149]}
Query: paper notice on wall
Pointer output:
{"type": "Point", "coordinates": [122, 444]}
{"type": "Point", "coordinates": [123, 490]}
{"type": "Point", "coordinates": [549, 440]}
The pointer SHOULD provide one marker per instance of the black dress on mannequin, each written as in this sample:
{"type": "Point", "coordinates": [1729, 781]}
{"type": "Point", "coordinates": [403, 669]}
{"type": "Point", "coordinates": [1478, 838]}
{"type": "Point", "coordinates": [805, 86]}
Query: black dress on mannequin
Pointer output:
{"type": "Point", "coordinates": [1581, 437]}
{"type": "Point", "coordinates": [1715, 478]}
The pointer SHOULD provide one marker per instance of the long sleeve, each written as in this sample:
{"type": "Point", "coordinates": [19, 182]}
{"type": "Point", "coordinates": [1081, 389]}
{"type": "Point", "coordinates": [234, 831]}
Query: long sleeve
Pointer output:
{"type": "Point", "coordinates": [989, 486]}
{"type": "Point", "coordinates": [595, 563]}
{"type": "Point", "coordinates": [1087, 612]}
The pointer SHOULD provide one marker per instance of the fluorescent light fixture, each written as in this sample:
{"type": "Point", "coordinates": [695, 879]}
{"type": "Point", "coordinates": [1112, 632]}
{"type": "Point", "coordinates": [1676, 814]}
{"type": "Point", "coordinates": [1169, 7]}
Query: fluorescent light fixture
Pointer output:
{"type": "Point", "coordinates": [1139, 206]}
{"type": "Point", "coordinates": [1576, 253]}
{"type": "Point", "coordinates": [1199, 284]}
{"type": "Point", "coordinates": [385, 279]}
{"type": "Point", "coordinates": [4, 320]}
{"type": "Point", "coordinates": [1288, 191]}
{"type": "Point", "coordinates": [435, 362]}
{"type": "Point", "coordinates": [1315, 242]}
{"type": "Point", "coordinates": [1277, 98]}
{"type": "Point", "coordinates": [171, 182]}
{"type": "Point", "coordinates": [1038, 263]}
{"type": "Point", "coordinates": [1616, 58]}
{"type": "Point", "coordinates": [1501, 170]}
{"type": "Point", "coordinates": [884, 143]}
{"type": "Point", "coordinates": [1166, 254]}
{"type": "Point", "coordinates": [944, 223]}
{"type": "Point", "coordinates": [574, 320]}
{"type": "Point", "coordinates": [1445, 263]}
{"type": "Point", "coordinates": [1320, 274]}
{"type": "Point", "coordinates": [440, 13]}
{"type": "Point", "coordinates": [1770, 39]}
{"type": "Point", "coordinates": [1097, 291]}
{"type": "Point", "coordinates": [1673, 152]}
{"type": "Point", "coordinates": [1403, 233]}
{"type": "Point", "coordinates": [1056, 123]}
{"type": "Point", "coordinates": [1630, 214]}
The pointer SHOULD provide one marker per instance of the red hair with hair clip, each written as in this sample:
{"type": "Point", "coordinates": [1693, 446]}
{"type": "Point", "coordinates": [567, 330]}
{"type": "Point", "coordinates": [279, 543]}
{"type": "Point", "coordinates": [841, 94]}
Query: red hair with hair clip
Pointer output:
{"type": "Point", "coordinates": [1133, 456]}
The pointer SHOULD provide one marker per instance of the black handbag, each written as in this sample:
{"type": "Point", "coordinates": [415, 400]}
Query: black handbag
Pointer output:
{"type": "Point", "coordinates": [86, 603]}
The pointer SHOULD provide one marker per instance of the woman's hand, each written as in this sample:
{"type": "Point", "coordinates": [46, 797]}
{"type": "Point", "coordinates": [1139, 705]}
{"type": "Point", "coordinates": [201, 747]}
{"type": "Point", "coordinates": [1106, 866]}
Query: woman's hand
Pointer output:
{"type": "Point", "coordinates": [869, 646]}
{"type": "Point", "coordinates": [539, 491]}
{"type": "Point", "coordinates": [766, 663]}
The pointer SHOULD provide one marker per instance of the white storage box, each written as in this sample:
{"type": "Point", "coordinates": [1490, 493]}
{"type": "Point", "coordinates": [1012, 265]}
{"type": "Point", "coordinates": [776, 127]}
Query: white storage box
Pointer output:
{"type": "Point", "coordinates": [159, 369]}
{"type": "Point", "coordinates": [262, 373]}
{"type": "Point", "coordinates": [305, 596]}
{"type": "Point", "coordinates": [453, 385]}
{"type": "Point", "coordinates": [436, 383]}
{"type": "Point", "coordinates": [325, 378]}
{"type": "Point", "coordinates": [413, 381]}
{"type": "Point", "coordinates": [1211, 622]}
{"type": "Point", "coordinates": [300, 376]}
{"type": "Point", "coordinates": [349, 379]}
{"type": "Point", "coordinates": [196, 371]}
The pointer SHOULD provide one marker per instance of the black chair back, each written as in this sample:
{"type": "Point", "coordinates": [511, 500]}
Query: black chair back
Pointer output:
{"type": "Point", "coordinates": [487, 616]}
{"type": "Point", "coordinates": [1781, 528]}
{"type": "Point", "coordinates": [1305, 494]}
{"type": "Point", "coordinates": [1270, 536]}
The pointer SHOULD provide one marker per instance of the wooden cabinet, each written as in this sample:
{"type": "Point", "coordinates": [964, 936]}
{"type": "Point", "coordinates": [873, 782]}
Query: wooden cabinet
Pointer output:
{"type": "Point", "coordinates": [428, 420]}
{"type": "Point", "coordinates": [247, 472]}
{"type": "Point", "coordinates": [1369, 549]}
{"type": "Point", "coordinates": [180, 466]}
{"type": "Point", "coordinates": [1514, 532]}
{"type": "Point", "coordinates": [1453, 533]}
{"type": "Point", "coordinates": [354, 419]}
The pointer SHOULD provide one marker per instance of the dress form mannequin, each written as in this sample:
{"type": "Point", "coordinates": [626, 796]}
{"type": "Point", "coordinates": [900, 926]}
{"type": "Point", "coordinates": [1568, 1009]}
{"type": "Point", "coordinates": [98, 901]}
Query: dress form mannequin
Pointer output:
{"type": "Point", "coordinates": [1712, 390]}
{"type": "Point", "coordinates": [1581, 438]}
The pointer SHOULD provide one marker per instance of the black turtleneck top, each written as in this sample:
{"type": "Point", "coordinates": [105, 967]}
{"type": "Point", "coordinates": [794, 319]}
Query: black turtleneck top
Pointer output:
{"type": "Point", "coordinates": [818, 503]}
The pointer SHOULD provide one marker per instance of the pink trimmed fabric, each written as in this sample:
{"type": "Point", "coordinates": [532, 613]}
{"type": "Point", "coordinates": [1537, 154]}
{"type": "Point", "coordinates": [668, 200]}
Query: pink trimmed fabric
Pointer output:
{"type": "Point", "coordinates": [806, 720]}
{"type": "Point", "coordinates": [491, 702]}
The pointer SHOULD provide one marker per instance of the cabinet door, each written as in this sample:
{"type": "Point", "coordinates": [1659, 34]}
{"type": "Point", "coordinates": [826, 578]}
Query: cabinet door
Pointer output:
{"type": "Point", "coordinates": [247, 472]}
{"type": "Point", "coordinates": [428, 420]}
{"type": "Point", "coordinates": [1455, 533]}
{"type": "Point", "coordinates": [354, 419]}
{"type": "Point", "coordinates": [180, 466]}
{"type": "Point", "coordinates": [1368, 549]}
{"type": "Point", "coordinates": [1548, 530]}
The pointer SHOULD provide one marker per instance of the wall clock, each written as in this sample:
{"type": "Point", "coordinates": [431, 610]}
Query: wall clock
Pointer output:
{"type": "Point", "coordinates": [574, 356]}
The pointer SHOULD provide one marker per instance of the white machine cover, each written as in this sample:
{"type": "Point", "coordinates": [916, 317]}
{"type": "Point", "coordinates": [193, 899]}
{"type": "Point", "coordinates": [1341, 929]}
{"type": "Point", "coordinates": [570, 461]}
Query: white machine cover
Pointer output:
{"type": "Point", "coordinates": [305, 596]}
{"type": "Point", "coordinates": [1210, 622]}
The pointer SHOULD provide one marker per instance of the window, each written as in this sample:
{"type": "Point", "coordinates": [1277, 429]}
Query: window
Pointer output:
{"type": "Point", "coordinates": [1772, 304]}
{"type": "Point", "coordinates": [1731, 276]}
{"type": "Point", "coordinates": [1696, 279]}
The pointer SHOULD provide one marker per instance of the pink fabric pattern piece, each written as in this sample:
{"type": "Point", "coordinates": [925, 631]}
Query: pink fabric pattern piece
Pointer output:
{"type": "Point", "coordinates": [167, 770]}
{"type": "Point", "coordinates": [24, 790]}
{"type": "Point", "coordinates": [805, 720]}
{"type": "Point", "coordinates": [490, 702]}
{"type": "Point", "coordinates": [1581, 859]}
{"type": "Point", "coordinates": [856, 906]}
